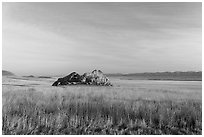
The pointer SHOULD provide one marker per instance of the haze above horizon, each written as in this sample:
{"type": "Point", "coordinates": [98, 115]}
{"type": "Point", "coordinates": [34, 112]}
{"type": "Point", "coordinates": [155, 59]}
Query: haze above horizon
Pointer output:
{"type": "Point", "coordinates": [58, 38]}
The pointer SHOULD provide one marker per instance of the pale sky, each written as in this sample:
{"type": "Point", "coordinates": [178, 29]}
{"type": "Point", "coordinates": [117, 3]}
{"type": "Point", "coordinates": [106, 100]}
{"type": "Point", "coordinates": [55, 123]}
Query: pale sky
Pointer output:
{"type": "Point", "coordinates": [58, 38]}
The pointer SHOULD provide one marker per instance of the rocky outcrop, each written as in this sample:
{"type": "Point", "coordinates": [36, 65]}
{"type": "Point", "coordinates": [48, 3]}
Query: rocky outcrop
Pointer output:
{"type": "Point", "coordinates": [72, 78]}
{"type": "Point", "coordinates": [96, 77]}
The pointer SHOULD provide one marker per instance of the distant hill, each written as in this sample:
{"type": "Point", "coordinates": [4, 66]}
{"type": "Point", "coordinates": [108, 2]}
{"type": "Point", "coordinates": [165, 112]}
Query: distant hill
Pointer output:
{"type": "Point", "coordinates": [177, 75]}
{"type": "Point", "coordinates": [7, 73]}
{"type": "Point", "coordinates": [44, 77]}
{"type": "Point", "coordinates": [30, 76]}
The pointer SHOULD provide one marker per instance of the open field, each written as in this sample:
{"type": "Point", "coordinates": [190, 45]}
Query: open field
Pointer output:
{"type": "Point", "coordinates": [32, 106]}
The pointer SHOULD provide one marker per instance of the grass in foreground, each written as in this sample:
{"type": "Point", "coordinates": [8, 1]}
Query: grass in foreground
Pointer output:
{"type": "Point", "coordinates": [31, 112]}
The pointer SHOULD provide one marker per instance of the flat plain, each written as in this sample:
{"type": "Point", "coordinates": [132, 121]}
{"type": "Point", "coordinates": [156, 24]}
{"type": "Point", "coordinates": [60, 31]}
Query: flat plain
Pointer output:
{"type": "Point", "coordinates": [32, 106]}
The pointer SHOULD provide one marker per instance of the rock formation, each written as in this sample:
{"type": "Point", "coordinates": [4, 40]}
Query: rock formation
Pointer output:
{"type": "Point", "coordinates": [96, 77]}
{"type": "Point", "coordinates": [73, 78]}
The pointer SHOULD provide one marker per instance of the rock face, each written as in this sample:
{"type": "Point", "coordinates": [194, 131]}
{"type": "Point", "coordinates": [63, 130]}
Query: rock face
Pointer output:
{"type": "Point", "coordinates": [96, 77]}
{"type": "Point", "coordinates": [72, 78]}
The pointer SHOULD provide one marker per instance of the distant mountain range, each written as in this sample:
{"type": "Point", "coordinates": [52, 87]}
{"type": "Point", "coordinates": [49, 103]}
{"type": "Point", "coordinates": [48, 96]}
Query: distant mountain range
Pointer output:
{"type": "Point", "coordinates": [7, 73]}
{"type": "Point", "coordinates": [177, 75]}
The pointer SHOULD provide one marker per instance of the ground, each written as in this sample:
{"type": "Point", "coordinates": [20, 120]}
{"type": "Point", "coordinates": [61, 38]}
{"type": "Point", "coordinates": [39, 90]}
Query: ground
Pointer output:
{"type": "Point", "coordinates": [32, 106]}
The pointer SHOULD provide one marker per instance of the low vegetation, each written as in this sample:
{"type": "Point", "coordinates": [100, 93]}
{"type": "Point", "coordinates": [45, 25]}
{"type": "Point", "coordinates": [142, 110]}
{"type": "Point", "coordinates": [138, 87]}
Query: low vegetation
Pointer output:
{"type": "Point", "coordinates": [32, 112]}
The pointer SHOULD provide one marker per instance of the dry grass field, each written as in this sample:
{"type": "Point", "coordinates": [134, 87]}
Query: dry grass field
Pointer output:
{"type": "Point", "coordinates": [31, 106]}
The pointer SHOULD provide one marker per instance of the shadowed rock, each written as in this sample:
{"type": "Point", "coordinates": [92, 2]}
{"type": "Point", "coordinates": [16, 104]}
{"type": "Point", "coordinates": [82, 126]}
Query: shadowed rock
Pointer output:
{"type": "Point", "coordinates": [72, 78]}
{"type": "Point", "coordinates": [96, 77]}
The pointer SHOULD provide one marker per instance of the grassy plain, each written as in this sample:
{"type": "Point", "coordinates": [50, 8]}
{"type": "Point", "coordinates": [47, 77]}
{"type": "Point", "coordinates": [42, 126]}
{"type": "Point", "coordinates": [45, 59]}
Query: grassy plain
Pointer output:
{"type": "Point", "coordinates": [33, 106]}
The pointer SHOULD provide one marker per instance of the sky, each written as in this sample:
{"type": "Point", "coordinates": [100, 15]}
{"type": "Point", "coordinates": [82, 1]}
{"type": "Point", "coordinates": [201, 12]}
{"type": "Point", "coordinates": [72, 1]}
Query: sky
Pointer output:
{"type": "Point", "coordinates": [58, 38]}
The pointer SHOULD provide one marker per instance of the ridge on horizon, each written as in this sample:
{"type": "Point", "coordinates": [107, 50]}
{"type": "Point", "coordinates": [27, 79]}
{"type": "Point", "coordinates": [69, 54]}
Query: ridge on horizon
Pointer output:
{"type": "Point", "coordinates": [131, 73]}
{"type": "Point", "coordinates": [155, 72]}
